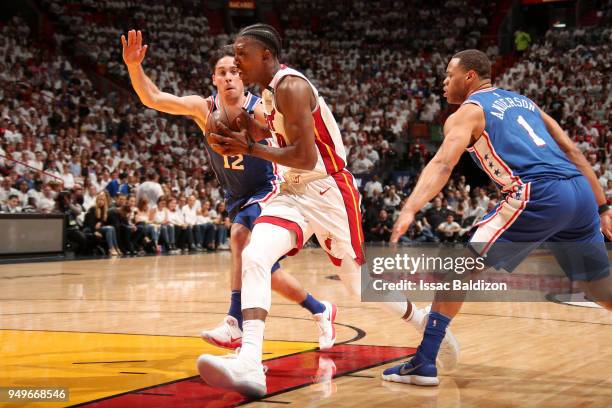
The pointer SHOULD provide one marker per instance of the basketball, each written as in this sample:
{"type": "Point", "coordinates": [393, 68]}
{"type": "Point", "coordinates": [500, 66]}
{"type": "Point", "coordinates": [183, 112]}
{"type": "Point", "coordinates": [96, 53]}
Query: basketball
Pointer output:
{"type": "Point", "coordinates": [227, 115]}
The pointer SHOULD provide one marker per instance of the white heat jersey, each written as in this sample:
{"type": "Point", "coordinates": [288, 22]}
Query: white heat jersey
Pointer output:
{"type": "Point", "coordinates": [331, 154]}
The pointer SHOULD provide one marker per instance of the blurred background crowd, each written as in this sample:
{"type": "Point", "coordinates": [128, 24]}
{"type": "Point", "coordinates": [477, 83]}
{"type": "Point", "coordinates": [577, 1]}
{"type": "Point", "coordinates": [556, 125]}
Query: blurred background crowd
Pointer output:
{"type": "Point", "coordinates": [76, 140]}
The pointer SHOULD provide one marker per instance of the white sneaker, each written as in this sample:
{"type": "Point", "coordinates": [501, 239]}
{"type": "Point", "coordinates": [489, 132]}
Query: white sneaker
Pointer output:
{"type": "Point", "coordinates": [228, 335]}
{"type": "Point", "coordinates": [233, 374]}
{"type": "Point", "coordinates": [449, 348]}
{"type": "Point", "coordinates": [325, 321]}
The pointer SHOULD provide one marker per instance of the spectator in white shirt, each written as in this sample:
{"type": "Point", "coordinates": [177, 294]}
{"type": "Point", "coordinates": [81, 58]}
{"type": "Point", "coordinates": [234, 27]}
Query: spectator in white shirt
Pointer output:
{"type": "Point", "coordinates": [373, 185]}
{"type": "Point", "coordinates": [448, 230]}
{"type": "Point", "coordinates": [67, 178]}
{"type": "Point", "coordinates": [46, 201]}
{"type": "Point", "coordinates": [391, 199]}
{"type": "Point", "coordinates": [6, 190]}
{"type": "Point", "coordinates": [89, 198]}
{"type": "Point", "coordinates": [22, 194]}
{"type": "Point", "coordinates": [372, 154]}
{"type": "Point", "coordinates": [582, 144]}
{"type": "Point", "coordinates": [206, 225]}
{"type": "Point", "coordinates": [190, 215]}
{"type": "Point", "coordinates": [606, 171]}
{"type": "Point", "coordinates": [362, 164]}
{"type": "Point", "coordinates": [175, 217]}
{"type": "Point", "coordinates": [158, 216]}
{"type": "Point", "coordinates": [191, 187]}
{"type": "Point", "coordinates": [474, 210]}
{"type": "Point", "coordinates": [483, 199]}
{"type": "Point", "coordinates": [75, 166]}
{"type": "Point", "coordinates": [35, 161]}
{"type": "Point", "coordinates": [12, 135]}
{"type": "Point", "coordinates": [603, 181]}
{"type": "Point", "coordinates": [12, 206]}
{"type": "Point", "coordinates": [609, 191]}
{"type": "Point", "coordinates": [150, 190]}
{"type": "Point", "coordinates": [104, 180]}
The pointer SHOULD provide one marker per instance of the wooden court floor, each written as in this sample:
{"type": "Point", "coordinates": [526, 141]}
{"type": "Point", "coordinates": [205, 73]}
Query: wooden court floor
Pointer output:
{"type": "Point", "coordinates": [125, 333]}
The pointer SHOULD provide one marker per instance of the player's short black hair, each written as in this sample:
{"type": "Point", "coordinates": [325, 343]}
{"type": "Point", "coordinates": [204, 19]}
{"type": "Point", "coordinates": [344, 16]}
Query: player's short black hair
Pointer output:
{"type": "Point", "coordinates": [265, 34]}
{"type": "Point", "coordinates": [475, 60]}
{"type": "Point", "coordinates": [225, 51]}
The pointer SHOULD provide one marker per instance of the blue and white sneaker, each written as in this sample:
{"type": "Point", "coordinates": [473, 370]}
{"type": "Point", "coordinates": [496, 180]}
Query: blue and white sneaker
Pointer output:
{"type": "Point", "coordinates": [425, 374]}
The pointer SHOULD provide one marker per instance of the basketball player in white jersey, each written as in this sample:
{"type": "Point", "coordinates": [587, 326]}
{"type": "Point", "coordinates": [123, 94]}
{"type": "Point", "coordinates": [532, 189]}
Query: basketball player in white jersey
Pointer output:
{"type": "Point", "coordinates": [233, 178]}
{"type": "Point", "coordinates": [319, 197]}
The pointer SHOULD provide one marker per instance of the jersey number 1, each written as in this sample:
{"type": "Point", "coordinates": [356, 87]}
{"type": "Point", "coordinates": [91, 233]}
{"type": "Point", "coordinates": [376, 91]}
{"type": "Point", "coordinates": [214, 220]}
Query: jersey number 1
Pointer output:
{"type": "Point", "coordinates": [236, 163]}
{"type": "Point", "coordinates": [536, 139]}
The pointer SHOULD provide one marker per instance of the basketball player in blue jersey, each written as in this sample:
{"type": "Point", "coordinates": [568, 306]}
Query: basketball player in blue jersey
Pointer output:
{"type": "Point", "coordinates": [552, 194]}
{"type": "Point", "coordinates": [249, 183]}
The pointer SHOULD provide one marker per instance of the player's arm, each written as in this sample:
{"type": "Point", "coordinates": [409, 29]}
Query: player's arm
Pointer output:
{"type": "Point", "coordinates": [294, 99]}
{"type": "Point", "coordinates": [459, 130]}
{"type": "Point", "coordinates": [149, 94]}
{"type": "Point", "coordinates": [575, 155]}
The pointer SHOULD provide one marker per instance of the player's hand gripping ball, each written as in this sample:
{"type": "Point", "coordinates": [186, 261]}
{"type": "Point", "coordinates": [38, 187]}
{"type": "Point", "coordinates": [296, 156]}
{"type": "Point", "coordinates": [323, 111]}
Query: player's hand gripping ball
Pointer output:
{"type": "Point", "coordinates": [225, 131]}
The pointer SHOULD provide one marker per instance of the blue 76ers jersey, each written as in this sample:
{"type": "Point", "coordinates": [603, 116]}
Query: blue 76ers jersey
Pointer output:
{"type": "Point", "coordinates": [515, 147]}
{"type": "Point", "coordinates": [244, 176]}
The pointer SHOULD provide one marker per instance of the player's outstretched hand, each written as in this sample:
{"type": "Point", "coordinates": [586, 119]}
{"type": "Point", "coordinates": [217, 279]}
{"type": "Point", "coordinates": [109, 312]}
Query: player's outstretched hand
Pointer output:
{"type": "Point", "coordinates": [606, 224]}
{"type": "Point", "coordinates": [227, 142]}
{"type": "Point", "coordinates": [133, 50]}
{"type": "Point", "coordinates": [401, 225]}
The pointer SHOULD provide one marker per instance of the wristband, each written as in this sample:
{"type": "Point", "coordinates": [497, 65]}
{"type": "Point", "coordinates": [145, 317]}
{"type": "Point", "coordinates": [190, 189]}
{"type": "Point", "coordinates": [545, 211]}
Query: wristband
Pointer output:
{"type": "Point", "coordinates": [603, 208]}
{"type": "Point", "coordinates": [250, 144]}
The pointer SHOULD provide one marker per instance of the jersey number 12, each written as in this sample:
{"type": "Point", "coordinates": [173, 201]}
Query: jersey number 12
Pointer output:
{"type": "Point", "coordinates": [536, 139]}
{"type": "Point", "coordinates": [236, 163]}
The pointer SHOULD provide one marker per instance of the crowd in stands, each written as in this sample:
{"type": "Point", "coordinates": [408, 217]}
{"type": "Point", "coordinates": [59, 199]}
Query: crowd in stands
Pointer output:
{"type": "Point", "coordinates": [176, 31]}
{"type": "Point", "coordinates": [64, 148]}
{"type": "Point", "coordinates": [449, 217]}
{"type": "Point", "coordinates": [100, 158]}
{"type": "Point", "coordinates": [568, 75]}
{"type": "Point", "coordinates": [383, 73]}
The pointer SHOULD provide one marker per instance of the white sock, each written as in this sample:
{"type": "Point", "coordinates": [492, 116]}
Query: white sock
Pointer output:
{"type": "Point", "coordinates": [252, 340]}
{"type": "Point", "coordinates": [416, 317]}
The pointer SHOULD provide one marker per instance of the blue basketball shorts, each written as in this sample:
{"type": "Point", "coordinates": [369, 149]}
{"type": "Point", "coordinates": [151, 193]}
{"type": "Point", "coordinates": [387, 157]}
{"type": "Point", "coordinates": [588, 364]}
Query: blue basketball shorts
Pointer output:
{"type": "Point", "coordinates": [561, 212]}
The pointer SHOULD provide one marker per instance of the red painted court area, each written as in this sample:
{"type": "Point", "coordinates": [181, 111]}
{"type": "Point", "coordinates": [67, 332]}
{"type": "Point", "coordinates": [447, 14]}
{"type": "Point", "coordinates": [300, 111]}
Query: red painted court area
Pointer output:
{"type": "Point", "coordinates": [284, 374]}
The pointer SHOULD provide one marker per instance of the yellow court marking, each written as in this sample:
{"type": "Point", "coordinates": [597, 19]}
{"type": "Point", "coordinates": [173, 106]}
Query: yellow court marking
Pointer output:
{"type": "Point", "coordinates": [46, 359]}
